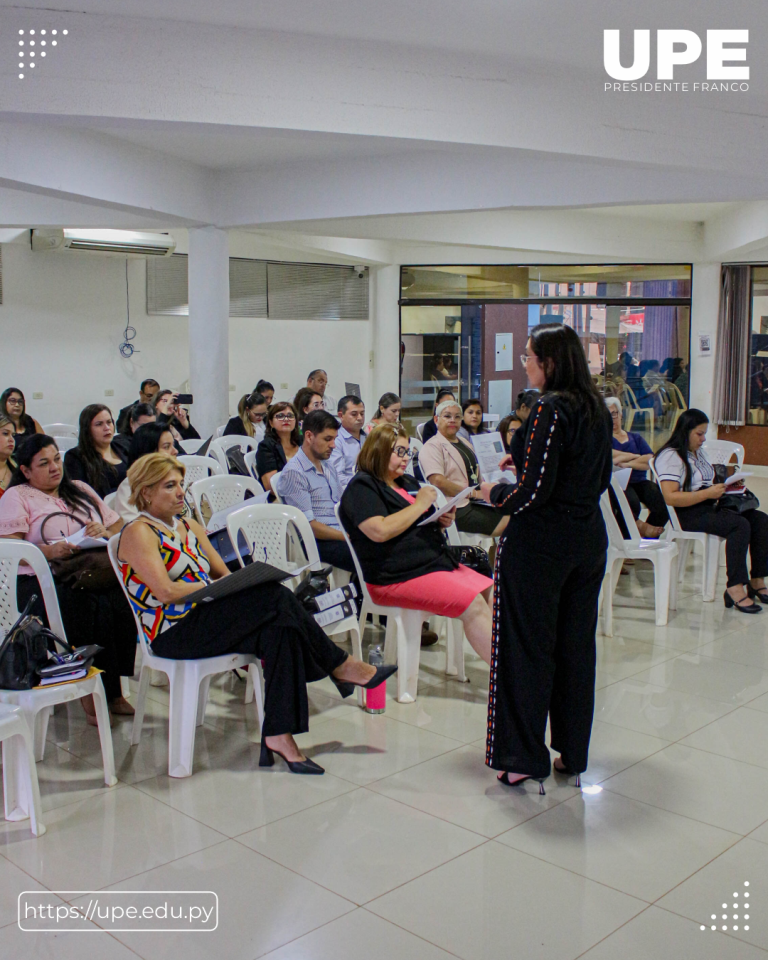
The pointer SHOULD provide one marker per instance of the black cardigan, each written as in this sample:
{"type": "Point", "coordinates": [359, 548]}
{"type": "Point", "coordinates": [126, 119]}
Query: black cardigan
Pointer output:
{"type": "Point", "coordinates": [269, 456]}
{"type": "Point", "coordinates": [112, 475]}
{"type": "Point", "coordinates": [413, 553]}
{"type": "Point", "coordinates": [235, 428]}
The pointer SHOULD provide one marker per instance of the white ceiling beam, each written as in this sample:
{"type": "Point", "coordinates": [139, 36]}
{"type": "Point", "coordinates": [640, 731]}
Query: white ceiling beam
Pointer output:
{"type": "Point", "coordinates": [737, 234]}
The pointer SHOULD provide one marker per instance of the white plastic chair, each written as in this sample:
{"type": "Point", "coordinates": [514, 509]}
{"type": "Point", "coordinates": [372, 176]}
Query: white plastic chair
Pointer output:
{"type": "Point", "coordinates": [274, 482]}
{"type": "Point", "coordinates": [721, 451]}
{"type": "Point", "coordinates": [37, 704]}
{"type": "Point", "coordinates": [420, 430]}
{"type": "Point", "coordinates": [415, 447]}
{"type": "Point", "coordinates": [21, 791]}
{"type": "Point", "coordinates": [250, 462]}
{"type": "Point", "coordinates": [61, 430]}
{"type": "Point", "coordinates": [710, 546]}
{"type": "Point", "coordinates": [189, 682]}
{"type": "Point", "coordinates": [199, 467]}
{"type": "Point", "coordinates": [65, 443]}
{"type": "Point", "coordinates": [222, 492]}
{"type": "Point", "coordinates": [267, 530]}
{"type": "Point", "coordinates": [218, 448]}
{"type": "Point", "coordinates": [191, 446]}
{"type": "Point", "coordinates": [661, 553]}
{"type": "Point", "coordinates": [404, 634]}
{"type": "Point", "coordinates": [220, 430]}
{"type": "Point", "coordinates": [109, 500]}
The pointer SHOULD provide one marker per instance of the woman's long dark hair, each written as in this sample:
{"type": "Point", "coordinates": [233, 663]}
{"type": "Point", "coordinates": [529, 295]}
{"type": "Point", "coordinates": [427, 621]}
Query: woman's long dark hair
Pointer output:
{"type": "Point", "coordinates": [95, 465]}
{"type": "Point", "coordinates": [25, 420]}
{"type": "Point", "coordinates": [678, 441]}
{"type": "Point", "coordinates": [303, 399]}
{"type": "Point", "coordinates": [278, 408]}
{"type": "Point", "coordinates": [559, 349]}
{"type": "Point", "coordinates": [526, 398]}
{"type": "Point", "coordinates": [75, 498]}
{"type": "Point", "coordinates": [146, 440]}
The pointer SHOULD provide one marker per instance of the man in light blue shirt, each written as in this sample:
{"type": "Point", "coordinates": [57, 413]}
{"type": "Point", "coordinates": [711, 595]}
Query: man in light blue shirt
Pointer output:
{"type": "Point", "coordinates": [349, 439]}
{"type": "Point", "coordinates": [309, 482]}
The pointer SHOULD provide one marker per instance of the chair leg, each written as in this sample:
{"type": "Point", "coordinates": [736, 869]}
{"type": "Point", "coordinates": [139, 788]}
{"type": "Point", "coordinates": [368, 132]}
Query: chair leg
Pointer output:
{"type": "Point", "coordinates": [357, 651]}
{"type": "Point", "coordinates": [249, 692]}
{"type": "Point", "coordinates": [141, 702]}
{"type": "Point", "coordinates": [105, 732]}
{"type": "Point", "coordinates": [684, 548]}
{"type": "Point", "coordinates": [20, 786]}
{"type": "Point", "coordinates": [711, 564]}
{"type": "Point", "coordinates": [256, 681]}
{"type": "Point", "coordinates": [661, 587]}
{"type": "Point", "coordinates": [673, 581]}
{"type": "Point", "coordinates": [454, 655]}
{"type": "Point", "coordinates": [39, 723]}
{"type": "Point", "coordinates": [202, 699]}
{"type": "Point", "coordinates": [408, 653]}
{"type": "Point", "coordinates": [185, 688]}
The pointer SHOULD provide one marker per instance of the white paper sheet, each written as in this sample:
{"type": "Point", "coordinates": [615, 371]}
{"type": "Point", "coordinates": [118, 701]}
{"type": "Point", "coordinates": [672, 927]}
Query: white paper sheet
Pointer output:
{"type": "Point", "coordinates": [736, 478]}
{"type": "Point", "coordinates": [489, 450]}
{"type": "Point", "coordinates": [447, 508]}
{"type": "Point", "coordinates": [84, 542]}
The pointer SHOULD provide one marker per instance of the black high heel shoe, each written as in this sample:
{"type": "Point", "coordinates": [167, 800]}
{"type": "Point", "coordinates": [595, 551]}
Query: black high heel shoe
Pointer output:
{"type": "Point", "coordinates": [730, 602]}
{"type": "Point", "coordinates": [267, 759]}
{"type": "Point", "coordinates": [761, 594]}
{"type": "Point", "coordinates": [347, 687]}
{"type": "Point", "coordinates": [567, 772]}
{"type": "Point", "coordinates": [504, 778]}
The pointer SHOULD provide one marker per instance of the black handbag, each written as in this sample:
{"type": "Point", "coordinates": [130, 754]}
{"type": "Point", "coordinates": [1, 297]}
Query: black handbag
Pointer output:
{"type": "Point", "coordinates": [473, 557]}
{"type": "Point", "coordinates": [317, 583]}
{"type": "Point", "coordinates": [84, 570]}
{"type": "Point", "coordinates": [736, 502]}
{"type": "Point", "coordinates": [25, 650]}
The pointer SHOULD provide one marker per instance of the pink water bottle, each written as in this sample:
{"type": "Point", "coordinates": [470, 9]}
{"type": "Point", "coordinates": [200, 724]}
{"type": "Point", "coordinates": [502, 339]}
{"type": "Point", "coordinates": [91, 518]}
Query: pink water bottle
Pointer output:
{"type": "Point", "coordinates": [376, 697]}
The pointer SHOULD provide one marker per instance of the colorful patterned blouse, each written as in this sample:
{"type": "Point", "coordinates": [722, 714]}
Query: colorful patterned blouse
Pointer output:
{"type": "Point", "coordinates": [184, 560]}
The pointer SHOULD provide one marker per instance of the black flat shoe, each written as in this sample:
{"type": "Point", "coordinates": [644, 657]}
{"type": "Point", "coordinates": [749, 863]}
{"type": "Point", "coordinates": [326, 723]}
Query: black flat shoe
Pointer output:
{"type": "Point", "coordinates": [267, 759]}
{"type": "Point", "coordinates": [504, 778]}
{"type": "Point", "coordinates": [730, 602]}
{"type": "Point", "coordinates": [761, 594]}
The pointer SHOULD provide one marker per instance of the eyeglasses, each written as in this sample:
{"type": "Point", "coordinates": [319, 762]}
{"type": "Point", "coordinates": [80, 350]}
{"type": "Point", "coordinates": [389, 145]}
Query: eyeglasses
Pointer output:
{"type": "Point", "coordinates": [256, 416]}
{"type": "Point", "coordinates": [403, 452]}
{"type": "Point", "coordinates": [524, 358]}
{"type": "Point", "coordinates": [13, 402]}
{"type": "Point", "coordinates": [284, 417]}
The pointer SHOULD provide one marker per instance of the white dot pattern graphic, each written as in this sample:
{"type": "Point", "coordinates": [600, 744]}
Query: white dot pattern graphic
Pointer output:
{"type": "Point", "coordinates": [735, 916]}
{"type": "Point", "coordinates": [42, 43]}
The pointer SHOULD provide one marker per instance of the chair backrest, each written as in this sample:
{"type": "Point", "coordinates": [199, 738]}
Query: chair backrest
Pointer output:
{"type": "Point", "coordinates": [12, 553]}
{"type": "Point", "coordinates": [191, 446]}
{"type": "Point", "coordinates": [61, 430]}
{"type": "Point", "coordinates": [358, 568]}
{"type": "Point", "coordinates": [267, 529]}
{"type": "Point", "coordinates": [109, 500]}
{"type": "Point", "coordinates": [221, 492]}
{"type": "Point", "coordinates": [420, 430]}
{"type": "Point", "coordinates": [612, 528]}
{"type": "Point", "coordinates": [721, 451]}
{"type": "Point", "coordinates": [415, 444]}
{"type": "Point", "coordinates": [451, 532]}
{"type": "Point", "coordinates": [629, 396]}
{"type": "Point", "coordinates": [219, 445]}
{"type": "Point", "coordinates": [220, 431]}
{"type": "Point", "coordinates": [673, 518]}
{"type": "Point", "coordinates": [112, 544]}
{"type": "Point", "coordinates": [199, 467]}
{"type": "Point", "coordinates": [626, 510]}
{"type": "Point", "coordinates": [65, 443]}
{"type": "Point", "coordinates": [250, 462]}
{"type": "Point", "coordinates": [274, 482]}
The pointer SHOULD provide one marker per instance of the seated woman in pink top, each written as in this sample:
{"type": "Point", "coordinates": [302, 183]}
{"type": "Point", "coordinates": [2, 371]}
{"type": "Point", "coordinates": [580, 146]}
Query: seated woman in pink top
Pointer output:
{"type": "Point", "coordinates": [403, 564]}
{"type": "Point", "coordinates": [42, 506]}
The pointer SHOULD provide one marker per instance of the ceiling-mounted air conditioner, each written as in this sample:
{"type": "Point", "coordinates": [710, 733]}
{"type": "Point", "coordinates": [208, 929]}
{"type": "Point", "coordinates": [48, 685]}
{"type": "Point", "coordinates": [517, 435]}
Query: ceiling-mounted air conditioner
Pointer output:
{"type": "Point", "coordinates": [125, 243]}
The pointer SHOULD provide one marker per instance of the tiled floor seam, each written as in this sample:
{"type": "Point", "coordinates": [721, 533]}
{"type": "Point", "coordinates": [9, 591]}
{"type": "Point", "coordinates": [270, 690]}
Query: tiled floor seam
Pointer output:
{"type": "Point", "coordinates": [609, 935]}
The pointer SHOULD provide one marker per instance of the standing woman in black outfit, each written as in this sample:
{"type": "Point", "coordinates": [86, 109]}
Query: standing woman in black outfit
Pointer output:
{"type": "Point", "coordinates": [549, 567]}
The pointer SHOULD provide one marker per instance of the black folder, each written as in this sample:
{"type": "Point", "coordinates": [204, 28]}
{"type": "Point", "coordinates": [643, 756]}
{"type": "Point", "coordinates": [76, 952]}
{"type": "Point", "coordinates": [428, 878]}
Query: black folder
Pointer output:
{"type": "Point", "coordinates": [250, 576]}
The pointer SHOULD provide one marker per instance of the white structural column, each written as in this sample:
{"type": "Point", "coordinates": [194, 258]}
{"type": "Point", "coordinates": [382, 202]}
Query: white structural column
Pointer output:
{"type": "Point", "coordinates": [209, 327]}
{"type": "Point", "coordinates": [386, 332]}
{"type": "Point", "coordinates": [705, 301]}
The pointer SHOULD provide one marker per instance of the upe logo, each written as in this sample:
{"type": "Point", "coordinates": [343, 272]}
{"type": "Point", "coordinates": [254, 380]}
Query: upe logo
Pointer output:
{"type": "Point", "coordinates": [678, 48]}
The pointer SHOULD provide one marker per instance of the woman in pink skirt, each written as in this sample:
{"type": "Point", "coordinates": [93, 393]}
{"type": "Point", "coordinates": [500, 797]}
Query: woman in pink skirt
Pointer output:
{"type": "Point", "coordinates": [405, 565]}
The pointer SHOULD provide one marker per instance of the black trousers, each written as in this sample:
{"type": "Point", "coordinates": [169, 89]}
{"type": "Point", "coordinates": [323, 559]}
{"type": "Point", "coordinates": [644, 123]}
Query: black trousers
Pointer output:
{"type": "Point", "coordinates": [647, 493]}
{"type": "Point", "coordinates": [270, 623]}
{"type": "Point", "coordinates": [548, 580]}
{"type": "Point", "coordinates": [742, 532]}
{"type": "Point", "coordinates": [336, 552]}
{"type": "Point", "coordinates": [92, 616]}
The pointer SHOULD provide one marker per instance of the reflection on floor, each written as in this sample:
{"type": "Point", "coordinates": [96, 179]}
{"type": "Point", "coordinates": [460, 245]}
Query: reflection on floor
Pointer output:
{"type": "Point", "coordinates": [408, 847]}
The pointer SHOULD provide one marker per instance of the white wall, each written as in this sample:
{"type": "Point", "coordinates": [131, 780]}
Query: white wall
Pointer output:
{"type": "Point", "coordinates": [62, 320]}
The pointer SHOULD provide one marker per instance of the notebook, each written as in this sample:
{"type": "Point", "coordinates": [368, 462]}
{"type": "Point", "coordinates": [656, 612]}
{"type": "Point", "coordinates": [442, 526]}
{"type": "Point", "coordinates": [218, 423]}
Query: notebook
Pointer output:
{"type": "Point", "coordinates": [251, 576]}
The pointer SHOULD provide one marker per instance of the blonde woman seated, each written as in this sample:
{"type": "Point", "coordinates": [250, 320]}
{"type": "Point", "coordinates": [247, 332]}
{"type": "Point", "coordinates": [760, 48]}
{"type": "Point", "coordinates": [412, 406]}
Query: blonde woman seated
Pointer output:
{"type": "Point", "coordinates": [405, 565]}
{"type": "Point", "coordinates": [163, 559]}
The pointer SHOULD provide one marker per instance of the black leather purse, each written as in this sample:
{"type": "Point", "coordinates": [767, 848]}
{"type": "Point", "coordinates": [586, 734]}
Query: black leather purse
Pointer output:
{"type": "Point", "coordinates": [473, 557]}
{"type": "Point", "coordinates": [25, 650]}
{"type": "Point", "coordinates": [736, 502]}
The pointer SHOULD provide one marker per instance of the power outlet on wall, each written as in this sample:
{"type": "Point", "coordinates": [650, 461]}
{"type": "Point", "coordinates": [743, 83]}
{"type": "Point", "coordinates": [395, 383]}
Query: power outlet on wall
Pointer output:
{"type": "Point", "coordinates": [37, 396]}
{"type": "Point", "coordinates": [109, 393]}
{"type": "Point", "coordinates": [231, 388]}
{"type": "Point", "coordinates": [283, 386]}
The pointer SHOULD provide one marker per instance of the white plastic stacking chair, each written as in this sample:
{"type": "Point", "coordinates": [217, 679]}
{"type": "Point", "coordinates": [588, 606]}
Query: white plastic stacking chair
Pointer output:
{"type": "Point", "coordinates": [274, 482]}
{"type": "Point", "coordinates": [267, 528]}
{"type": "Point", "coordinates": [109, 500]}
{"type": "Point", "coordinates": [403, 634]}
{"type": "Point", "coordinates": [65, 443]}
{"type": "Point", "coordinates": [21, 790]}
{"type": "Point", "coordinates": [222, 492]}
{"type": "Point", "coordinates": [662, 554]}
{"type": "Point", "coordinates": [710, 545]}
{"type": "Point", "coordinates": [219, 445]}
{"type": "Point", "coordinates": [199, 467]}
{"type": "Point", "coordinates": [219, 431]}
{"type": "Point", "coordinates": [61, 430]}
{"type": "Point", "coordinates": [721, 451]}
{"type": "Point", "coordinates": [189, 682]}
{"type": "Point", "coordinates": [250, 462]}
{"type": "Point", "coordinates": [37, 704]}
{"type": "Point", "coordinates": [191, 446]}
{"type": "Point", "coordinates": [420, 430]}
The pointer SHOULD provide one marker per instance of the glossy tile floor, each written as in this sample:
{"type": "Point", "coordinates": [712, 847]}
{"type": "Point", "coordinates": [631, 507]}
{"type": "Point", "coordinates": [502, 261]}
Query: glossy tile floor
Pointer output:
{"type": "Point", "coordinates": [408, 848]}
